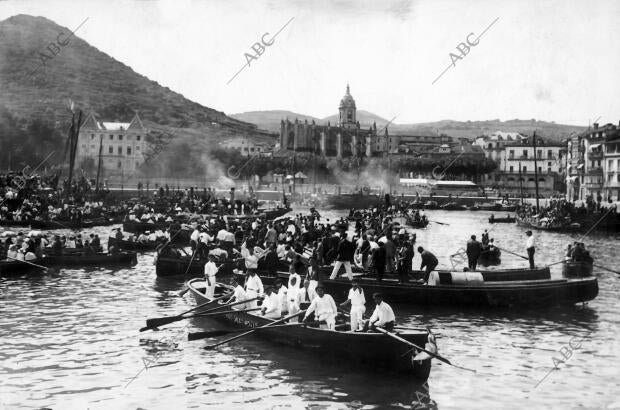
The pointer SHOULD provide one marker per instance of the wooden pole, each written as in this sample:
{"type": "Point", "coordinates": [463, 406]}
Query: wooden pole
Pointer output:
{"type": "Point", "coordinates": [520, 183]}
{"type": "Point", "coordinates": [535, 172]}
{"type": "Point", "coordinates": [99, 163]}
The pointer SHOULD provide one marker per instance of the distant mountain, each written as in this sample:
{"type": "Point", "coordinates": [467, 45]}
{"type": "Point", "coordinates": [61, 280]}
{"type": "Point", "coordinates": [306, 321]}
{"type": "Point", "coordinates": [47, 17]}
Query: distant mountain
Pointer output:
{"type": "Point", "coordinates": [270, 120]}
{"type": "Point", "coordinates": [42, 67]}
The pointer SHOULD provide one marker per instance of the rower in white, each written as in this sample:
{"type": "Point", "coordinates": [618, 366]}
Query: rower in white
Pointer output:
{"type": "Point", "coordinates": [238, 295]}
{"type": "Point", "coordinates": [293, 298]}
{"type": "Point", "coordinates": [253, 288]}
{"type": "Point", "coordinates": [357, 300]}
{"type": "Point", "coordinates": [210, 272]}
{"type": "Point", "coordinates": [383, 316]}
{"type": "Point", "coordinates": [324, 309]}
{"type": "Point", "coordinates": [271, 305]}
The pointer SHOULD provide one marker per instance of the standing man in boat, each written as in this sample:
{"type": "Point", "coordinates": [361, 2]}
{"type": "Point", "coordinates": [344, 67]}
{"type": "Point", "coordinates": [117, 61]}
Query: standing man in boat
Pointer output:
{"type": "Point", "coordinates": [357, 300]}
{"type": "Point", "coordinates": [530, 246]}
{"type": "Point", "coordinates": [383, 316]}
{"type": "Point", "coordinates": [293, 296]}
{"type": "Point", "coordinates": [324, 309]}
{"type": "Point", "coordinates": [474, 249]}
{"type": "Point", "coordinates": [429, 261]}
{"type": "Point", "coordinates": [210, 272]}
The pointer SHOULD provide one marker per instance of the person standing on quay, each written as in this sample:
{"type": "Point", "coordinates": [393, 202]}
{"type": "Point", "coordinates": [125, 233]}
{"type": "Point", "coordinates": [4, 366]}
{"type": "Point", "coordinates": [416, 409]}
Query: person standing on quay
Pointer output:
{"type": "Point", "coordinates": [473, 252]}
{"type": "Point", "coordinates": [530, 246]}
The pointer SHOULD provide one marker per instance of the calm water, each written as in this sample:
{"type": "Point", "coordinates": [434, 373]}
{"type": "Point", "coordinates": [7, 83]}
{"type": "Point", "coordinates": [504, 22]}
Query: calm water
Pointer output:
{"type": "Point", "coordinates": [71, 340]}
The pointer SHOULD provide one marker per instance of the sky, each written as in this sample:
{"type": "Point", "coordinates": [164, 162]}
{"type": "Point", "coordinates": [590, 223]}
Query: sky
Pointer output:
{"type": "Point", "coordinates": [543, 59]}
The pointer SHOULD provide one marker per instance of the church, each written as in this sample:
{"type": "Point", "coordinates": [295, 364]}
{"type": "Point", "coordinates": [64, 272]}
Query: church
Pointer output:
{"type": "Point", "coordinates": [343, 140]}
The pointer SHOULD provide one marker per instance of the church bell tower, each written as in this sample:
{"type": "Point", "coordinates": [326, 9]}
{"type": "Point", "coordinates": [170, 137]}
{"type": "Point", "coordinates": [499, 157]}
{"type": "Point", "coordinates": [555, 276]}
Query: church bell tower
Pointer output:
{"type": "Point", "coordinates": [347, 111]}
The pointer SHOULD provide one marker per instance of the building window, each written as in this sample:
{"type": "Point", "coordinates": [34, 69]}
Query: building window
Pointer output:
{"type": "Point", "coordinates": [525, 153]}
{"type": "Point", "coordinates": [137, 138]}
{"type": "Point", "coordinates": [599, 162]}
{"type": "Point", "coordinates": [548, 164]}
{"type": "Point", "coordinates": [120, 150]}
{"type": "Point", "coordinates": [539, 169]}
{"type": "Point", "coordinates": [541, 180]}
{"type": "Point", "coordinates": [111, 137]}
{"type": "Point", "coordinates": [549, 154]}
{"type": "Point", "coordinates": [119, 164]}
{"type": "Point", "coordinates": [128, 150]}
{"type": "Point", "coordinates": [524, 169]}
{"type": "Point", "coordinates": [92, 146]}
{"type": "Point", "coordinates": [92, 136]}
{"type": "Point", "coordinates": [512, 168]}
{"type": "Point", "coordinates": [539, 153]}
{"type": "Point", "coordinates": [111, 149]}
{"type": "Point", "coordinates": [137, 148]}
{"type": "Point", "coordinates": [120, 137]}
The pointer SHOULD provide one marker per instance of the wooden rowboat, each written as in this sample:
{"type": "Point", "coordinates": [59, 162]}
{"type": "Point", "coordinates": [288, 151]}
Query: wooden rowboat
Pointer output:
{"type": "Point", "coordinates": [90, 259]}
{"type": "Point", "coordinates": [452, 288]}
{"type": "Point", "coordinates": [374, 350]}
{"type": "Point", "coordinates": [133, 245]}
{"type": "Point", "coordinates": [491, 257]}
{"type": "Point", "coordinates": [505, 220]}
{"type": "Point", "coordinates": [9, 267]}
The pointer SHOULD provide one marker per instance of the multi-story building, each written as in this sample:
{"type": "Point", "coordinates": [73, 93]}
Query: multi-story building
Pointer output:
{"type": "Point", "coordinates": [514, 154]}
{"type": "Point", "coordinates": [248, 147]}
{"type": "Point", "coordinates": [592, 163]}
{"type": "Point", "coordinates": [122, 144]}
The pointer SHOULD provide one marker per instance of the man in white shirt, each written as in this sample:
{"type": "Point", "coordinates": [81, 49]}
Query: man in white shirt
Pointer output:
{"type": "Point", "coordinates": [238, 295]}
{"type": "Point", "coordinates": [324, 309]}
{"type": "Point", "coordinates": [293, 297]}
{"type": "Point", "coordinates": [358, 305]}
{"type": "Point", "coordinates": [306, 294]}
{"type": "Point", "coordinates": [210, 272]}
{"type": "Point", "coordinates": [271, 306]}
{"type": "Point", "coordinates": [530, 246]}
{"type": "Point", "coordinates": [281, 290]}
{"type": "Point", "coordinates": [253, 287]}
{"type": "Point", "coordinates": [383, 316]}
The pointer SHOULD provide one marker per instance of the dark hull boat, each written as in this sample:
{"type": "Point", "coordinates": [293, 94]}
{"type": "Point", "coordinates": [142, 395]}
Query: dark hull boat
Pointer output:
{"type": "Point", "coordinates": [572, 269]}
{"type": "Point", "coordinates": [374, 350]}
{"type": "Point", "coordinates": [11, 267]}
{"type": "Point", "coordinates": [551, 227]}
{"type": "Point", "coordinates": [348, 201]}
{"type": "Point", "coordinates": [62, 224]}
{"type": "Point", "coordinates": [452, 289]}
{"type": "Point", "coordinates": [140, 227]}
{"type": "Point", "coordinates": [274, 213]}
{"type": "Point", "coordinates": [133, 245]}
{"type": "Point", "coordinates": [94, 259]}
{"type": "Point", "coordinates": [173, 266]}
{"type": "Point", "coordinates": [506, 220]}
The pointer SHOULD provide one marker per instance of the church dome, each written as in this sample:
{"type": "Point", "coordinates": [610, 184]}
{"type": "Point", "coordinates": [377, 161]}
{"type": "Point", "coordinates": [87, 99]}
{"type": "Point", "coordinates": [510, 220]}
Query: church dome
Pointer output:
{"type": "Point", "coordinates": [347, 101]}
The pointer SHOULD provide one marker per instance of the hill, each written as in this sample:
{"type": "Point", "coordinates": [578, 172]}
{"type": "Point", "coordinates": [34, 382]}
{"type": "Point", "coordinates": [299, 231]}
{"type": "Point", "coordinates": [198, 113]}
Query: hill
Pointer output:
{"type": "Point", "coordinates": [270, 120]}
{"type": "Point", "coordinates": [37, 79]}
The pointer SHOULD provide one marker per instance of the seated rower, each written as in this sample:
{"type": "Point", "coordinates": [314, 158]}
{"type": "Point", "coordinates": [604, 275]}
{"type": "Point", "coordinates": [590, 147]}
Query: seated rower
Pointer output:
{"type": "Point", "coordinates": [383, 316]}
{"type": "Point", "coordinates": [238, 295]}
{"type": "Point", "coordinates": [281, 290]}
{"type": "Point", "coordinates": [324, 309]}
{"type": "Point", "coordinates": [271, 306]}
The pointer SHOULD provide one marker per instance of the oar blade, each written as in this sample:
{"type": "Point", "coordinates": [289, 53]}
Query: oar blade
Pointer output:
{"type": "Point", "coordinates": [205, 335]}
{"type": "Point", "coordinates": [161, 321]}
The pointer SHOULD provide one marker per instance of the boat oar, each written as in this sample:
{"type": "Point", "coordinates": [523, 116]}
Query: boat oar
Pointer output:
{"type": "Point", "coordinates": [189, 265]}
{"type": "Point", "coordinates": [512, 253]}
{"type": "Point", "coordinates": [221, 332]}
{"type": "Point", "coordinates": [440, 223]}
{"type": "Point", "coordinates": [45, 268]}
{"type": "Point", "coordinates": [160, 321]}
{"type": "Point", "coordinates": [604, 268]}
{"type": "Point", "coordinates": [277, 322]}
{"type": "Point", "coordinates": [435, 355]}
{"type": "Point", "coordinates": [225, 312]}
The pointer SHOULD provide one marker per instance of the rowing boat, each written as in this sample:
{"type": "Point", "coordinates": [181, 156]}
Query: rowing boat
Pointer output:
{"type": "Point", "coordinates": [468, 289]}
{"type": "Point", "coordinates": [133, 245]}
{"type": "Point", "coordinates": [9, 267]}
{"type": "Point", "coordinates": [506, 220]}
{"type": "Point", "coordinates": [490, 257]}
{"type": "Point", "coordinates": [374, 350]}
{"type": "Point", "coordinates": [90, 259]}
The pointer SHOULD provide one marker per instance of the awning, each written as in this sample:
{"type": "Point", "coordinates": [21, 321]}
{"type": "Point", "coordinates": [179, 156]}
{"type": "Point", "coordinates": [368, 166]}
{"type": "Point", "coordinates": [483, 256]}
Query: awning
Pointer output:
{"type": "Point", "coordinates": [580, 166]}
{"type": "Point", "coordinates": [301, 175]}
{"type": "Point", "coordinates": [594, 146]}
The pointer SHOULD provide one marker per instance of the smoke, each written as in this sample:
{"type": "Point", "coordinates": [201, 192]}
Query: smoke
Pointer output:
{"type": "Point", "coordinates": [370, 173]}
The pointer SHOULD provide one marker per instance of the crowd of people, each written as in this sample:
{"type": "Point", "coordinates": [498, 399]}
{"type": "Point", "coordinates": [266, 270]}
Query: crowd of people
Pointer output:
{"type": "Point", "coordinates": [34, 245]}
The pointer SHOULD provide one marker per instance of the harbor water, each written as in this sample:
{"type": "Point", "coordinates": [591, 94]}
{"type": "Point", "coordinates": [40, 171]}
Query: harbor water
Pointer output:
{"type": "Point", "coordinates": [70, 340]}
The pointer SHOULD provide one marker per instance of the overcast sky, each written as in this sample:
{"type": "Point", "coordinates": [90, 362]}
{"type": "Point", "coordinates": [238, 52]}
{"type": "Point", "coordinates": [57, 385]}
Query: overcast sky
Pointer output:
{"type": "Point", "coordinates": [549, 60]}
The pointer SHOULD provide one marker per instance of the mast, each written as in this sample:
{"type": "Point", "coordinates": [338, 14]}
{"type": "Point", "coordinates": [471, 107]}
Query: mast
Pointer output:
{"type": "Point", "coordinates": [74, 133]}
{"type": "Point", "coordinates": [520, 183]}
{"type": "Point", "coordinates": [535, 171]}
{"type": "Point", "coordinates": [99, 163]}
{"type": "Point", "coordinates": [387, 150]}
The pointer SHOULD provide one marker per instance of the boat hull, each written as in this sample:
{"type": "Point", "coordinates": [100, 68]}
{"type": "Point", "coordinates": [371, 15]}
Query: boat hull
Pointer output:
{"type": "Point", "coordinates": [577, 269]}
{"type": "Point", "coordinates": [374, 350]}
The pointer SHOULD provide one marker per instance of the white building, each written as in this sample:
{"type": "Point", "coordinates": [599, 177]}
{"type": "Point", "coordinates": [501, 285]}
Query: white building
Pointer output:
{"type": "Point", "coordinates": [493, 145]}
{"type": "Point", "coordinates": [248, 147]}
{"type": "Point", "coordinates": [123, 144]}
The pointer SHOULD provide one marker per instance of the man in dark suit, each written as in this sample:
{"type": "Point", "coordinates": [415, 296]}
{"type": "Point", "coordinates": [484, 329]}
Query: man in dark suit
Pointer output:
{"type": "Point", "coordinates": [474, 249]}
{"type": "Point", "coordinates": [429, 261]}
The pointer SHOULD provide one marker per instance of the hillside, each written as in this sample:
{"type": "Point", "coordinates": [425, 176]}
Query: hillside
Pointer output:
{"type": "Point", "coordinates": [38, 86]}
{"type": "Point", "coordinates": [270, 120]}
